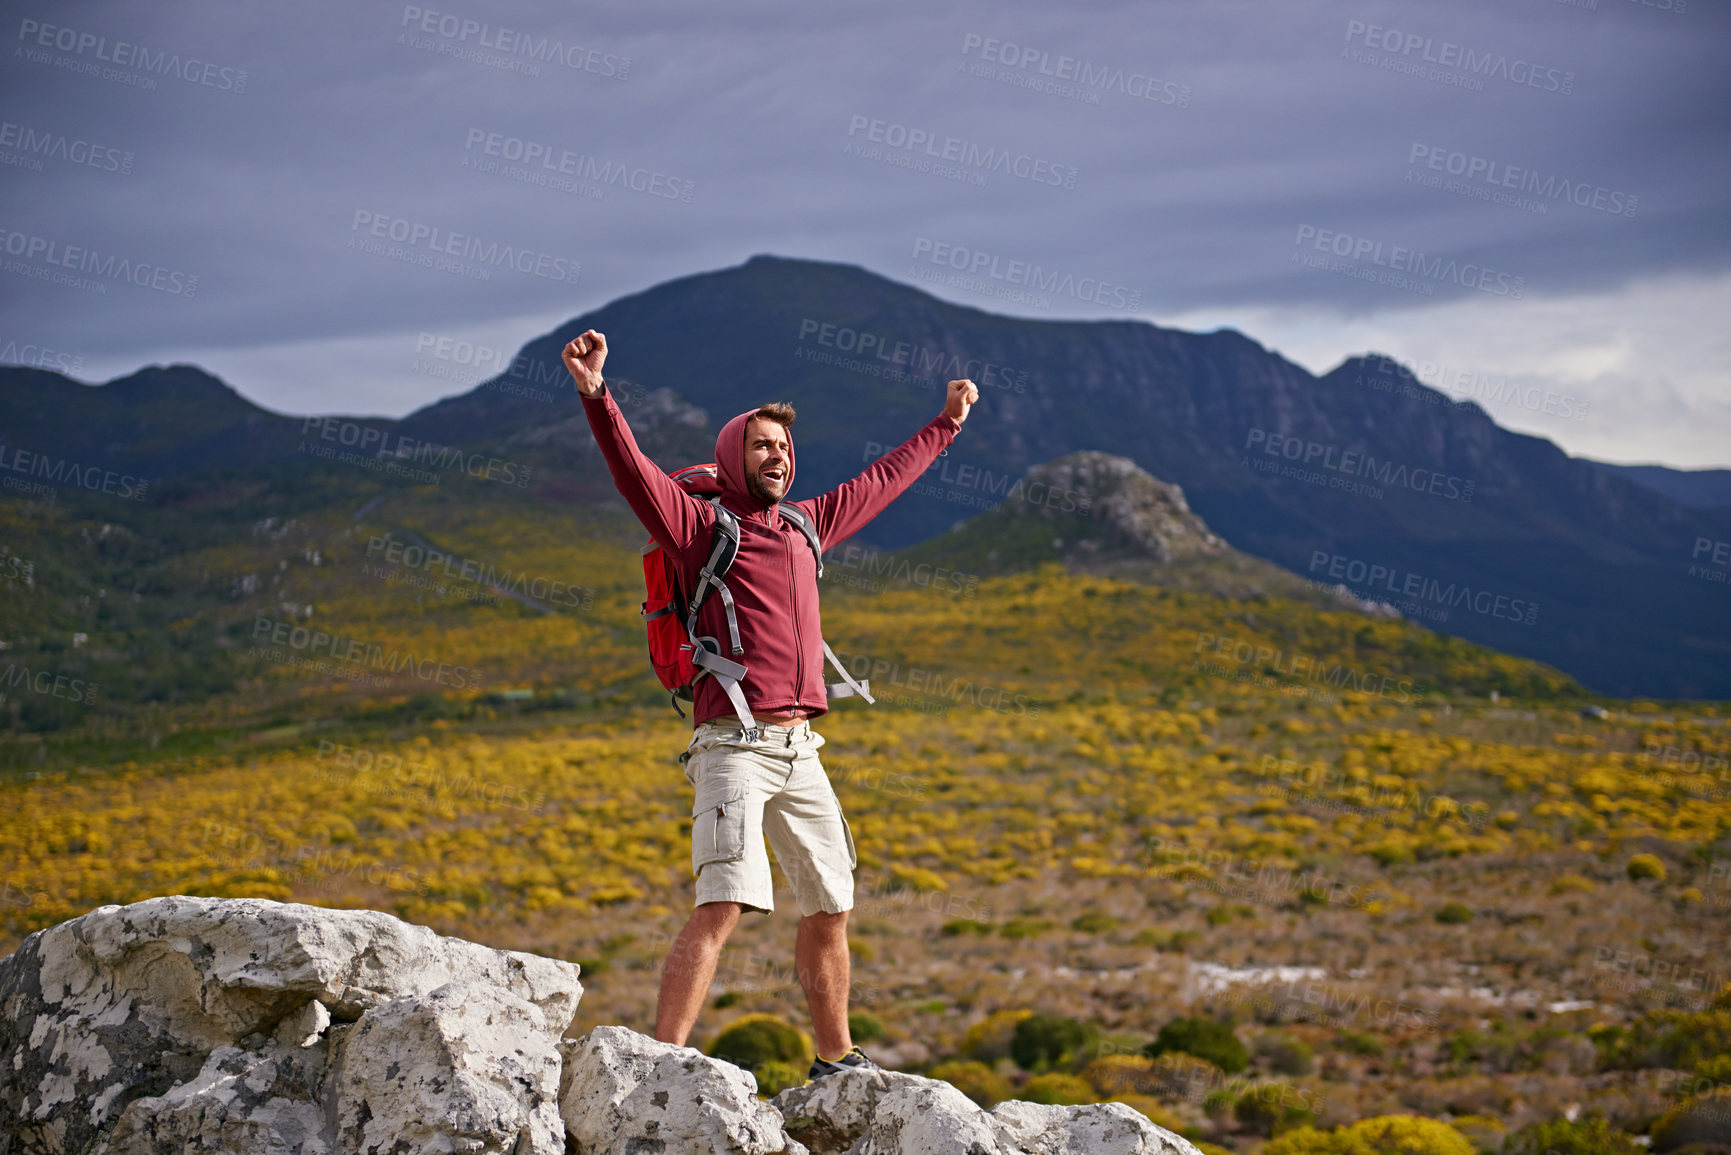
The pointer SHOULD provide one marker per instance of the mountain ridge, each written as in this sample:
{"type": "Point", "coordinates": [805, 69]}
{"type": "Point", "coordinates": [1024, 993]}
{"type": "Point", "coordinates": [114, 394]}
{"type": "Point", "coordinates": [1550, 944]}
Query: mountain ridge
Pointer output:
{"type": "Point", "coordinates": [1293, 468]}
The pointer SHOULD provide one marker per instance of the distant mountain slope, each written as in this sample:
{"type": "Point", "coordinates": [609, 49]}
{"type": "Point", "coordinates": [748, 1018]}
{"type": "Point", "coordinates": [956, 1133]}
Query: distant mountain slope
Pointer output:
{"type": "Point", "coordinates": [1691, 488]}
{"type": "Point", "coordinates": [157, 422]}
{"type": "Point", "coordinates": [1106, 515]}
{"type": "Point", "coordinates": [1352, 473]}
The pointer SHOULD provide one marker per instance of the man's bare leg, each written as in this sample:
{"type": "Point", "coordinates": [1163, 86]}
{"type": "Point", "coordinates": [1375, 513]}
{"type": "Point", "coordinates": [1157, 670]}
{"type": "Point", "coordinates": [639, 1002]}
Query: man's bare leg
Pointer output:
{"type": "Point", "coordinates": [690, 968]}
{"type": "Point", "coordinates": [820, 959]}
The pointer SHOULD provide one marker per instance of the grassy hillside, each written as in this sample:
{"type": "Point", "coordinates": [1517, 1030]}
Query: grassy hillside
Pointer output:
{"type": "Point", "coordinates": [1105, 802]}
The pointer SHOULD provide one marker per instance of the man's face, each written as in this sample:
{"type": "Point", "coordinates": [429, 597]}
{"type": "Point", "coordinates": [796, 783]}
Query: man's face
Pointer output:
{"type": "Point", "coordinates": [768, 453]}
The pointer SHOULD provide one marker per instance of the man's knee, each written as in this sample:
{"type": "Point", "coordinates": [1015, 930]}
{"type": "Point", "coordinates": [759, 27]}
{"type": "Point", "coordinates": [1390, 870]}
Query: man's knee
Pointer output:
{"type": "Point", "coordinates": [825, 923]}
{"type": "Point", "coordinates": [714, 920]}
{"type": "Point", "coordinates": [703, 938]}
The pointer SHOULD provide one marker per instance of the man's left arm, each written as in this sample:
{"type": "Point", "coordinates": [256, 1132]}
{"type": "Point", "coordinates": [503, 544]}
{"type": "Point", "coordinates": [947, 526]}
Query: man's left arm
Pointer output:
{"type": "Point", "coordinates": [846, 509]}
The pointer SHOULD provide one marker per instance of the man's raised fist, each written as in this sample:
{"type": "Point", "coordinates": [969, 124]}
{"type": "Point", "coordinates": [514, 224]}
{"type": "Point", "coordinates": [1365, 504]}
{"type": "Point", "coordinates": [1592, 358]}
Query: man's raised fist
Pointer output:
{"type": "Point", "coordinates": [584, 356]}
{"type": "Point", "coordinates": [963, 395]}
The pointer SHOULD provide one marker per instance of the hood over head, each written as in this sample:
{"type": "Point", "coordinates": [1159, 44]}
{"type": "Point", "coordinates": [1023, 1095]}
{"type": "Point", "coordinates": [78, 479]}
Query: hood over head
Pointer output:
{"type": "Point", "coordinates": [730, 459]}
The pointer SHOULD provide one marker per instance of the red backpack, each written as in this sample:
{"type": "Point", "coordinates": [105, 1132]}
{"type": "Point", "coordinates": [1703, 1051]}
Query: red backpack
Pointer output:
{"type": "Point", "coordinates": [680, 655]}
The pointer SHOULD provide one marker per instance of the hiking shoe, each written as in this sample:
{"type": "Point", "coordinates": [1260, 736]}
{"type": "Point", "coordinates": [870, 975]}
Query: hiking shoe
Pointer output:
{"type": "Point", "coordinates": [854, 1060]}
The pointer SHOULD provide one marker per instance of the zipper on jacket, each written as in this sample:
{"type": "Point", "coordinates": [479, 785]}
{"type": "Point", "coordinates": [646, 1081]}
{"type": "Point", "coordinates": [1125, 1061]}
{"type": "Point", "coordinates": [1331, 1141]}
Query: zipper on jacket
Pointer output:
{"type": "Point", "coordinates": [793, 601]}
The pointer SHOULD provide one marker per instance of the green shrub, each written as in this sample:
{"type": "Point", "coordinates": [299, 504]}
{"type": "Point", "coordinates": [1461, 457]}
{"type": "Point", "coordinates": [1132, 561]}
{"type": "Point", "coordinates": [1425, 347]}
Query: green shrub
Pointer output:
{"type": "Point", "coordinates": [1701, 1037]}
{"type": "Point", "coordinates": [1115, 1075]}
{"type": "Point", "coordinates": [1646, 866]}
{"type": "Point", "coordinates": [864, 1027]}
{"type": "Point", "coordinates": [1677, 1040]}
{"type": "Point", "coordinates": [1273, 1109]}
{"type": "Point", "coordinates": [722, 1001]}
{"type": "Point", "coordinates": [1226, 912]}
{"type": "Point", "coordinates": [989, 1039]}
{"type": "Point", "coordinates": [1019, 927]}
{"type": "Point", "coordinates": [1354, 1043]}
{"type": "Point", "coordinates": [1310, 1141]}
{"type": "Point", "coordinates": [1285, 1055]}
{"type": "Point", "coordinates": [1705, 1119]}
{"type": "Point", "coordinates": [1382, 1135]}
{"type": "Point", "coordinates": [965, 926]}
{"type": "Point", "coordinates": [1042, 1041]}
{"type": "Point", "coordinates": [775, 1076]}
{"type": "Point", "coordinates": [1409, 1135]}
{"type": "Point", "coordinates": [1166, 942]}
{"type": "Point", "coordinates": [1207, 1039]}
{"type": "Point", "coordinates": [1591, 1135]}
{"type": "Point", "coordinates": [1717, 1068]}
{"type": "Point", "coordinates": [1058, 1088]}
{"type": "Point", "coordinates": [1454, 914]}
{"type": "Point", "coordinates": [1107, 1045]}
{"type": "Point", "coordinates": [1482, 1131]}
{"type": "Point", "coordinates": [750, 1041]}
{"type": "Point", "coordinates": [975, 1080]}
{"type": "Point", "coordinates": [1093, 922]}
{"type": "Point", "coordinates": [1218, 1103]}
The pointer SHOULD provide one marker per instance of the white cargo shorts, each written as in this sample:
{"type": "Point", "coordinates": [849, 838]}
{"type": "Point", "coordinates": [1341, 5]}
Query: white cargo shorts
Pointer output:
{"type": "Point", "coordinates": [774, 787]}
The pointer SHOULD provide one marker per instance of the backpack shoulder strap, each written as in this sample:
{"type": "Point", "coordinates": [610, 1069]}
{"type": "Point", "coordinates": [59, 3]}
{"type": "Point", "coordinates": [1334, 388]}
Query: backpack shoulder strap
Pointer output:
{"type": "Point", "coordinates": [799, 518]}
{"type": "Point", "coordinates": [721, 556]}
{"type": "Point", "coordinates": [706, 651]}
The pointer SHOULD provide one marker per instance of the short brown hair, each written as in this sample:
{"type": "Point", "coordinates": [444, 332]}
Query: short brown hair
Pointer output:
{"type": "Point", "coordinates": [779, 412]}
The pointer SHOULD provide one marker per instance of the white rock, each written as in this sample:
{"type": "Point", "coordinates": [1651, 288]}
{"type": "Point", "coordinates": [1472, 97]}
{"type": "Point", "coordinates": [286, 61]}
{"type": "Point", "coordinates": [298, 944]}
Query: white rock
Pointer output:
{"type": "Point", "coordinates": [1096, 1129]}
{"type": "Point", "coordinates": [464, 1068]}
{"type": "Point", "coordinates": [240, 1103]}
{"type": "Point", "coordinates": [305, 1027]}
{"type": "Point", "coordinates": [128, 1007]}
{"type": "Point", "coordinates": [622, 1093]}
{"type": "Point", "coordinates": [886, 1113]}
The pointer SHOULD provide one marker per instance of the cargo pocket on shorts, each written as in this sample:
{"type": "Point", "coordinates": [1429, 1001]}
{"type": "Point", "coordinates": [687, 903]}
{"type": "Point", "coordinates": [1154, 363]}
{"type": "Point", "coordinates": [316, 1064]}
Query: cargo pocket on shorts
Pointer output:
{"type": "Point", "coordinates": [718, 829]}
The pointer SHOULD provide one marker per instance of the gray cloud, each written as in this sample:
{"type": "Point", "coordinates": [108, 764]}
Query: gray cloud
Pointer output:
{"type": "Point", "coordinates": [1195, 204]}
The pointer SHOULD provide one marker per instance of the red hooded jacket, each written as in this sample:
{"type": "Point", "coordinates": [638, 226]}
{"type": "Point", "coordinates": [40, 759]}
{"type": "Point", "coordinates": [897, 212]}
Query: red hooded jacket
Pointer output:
{"type": "Point", "coordinates": [774, 576]}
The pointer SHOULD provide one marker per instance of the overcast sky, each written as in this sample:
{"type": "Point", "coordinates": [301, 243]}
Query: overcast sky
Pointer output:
{"type": "Point", "coordinates": [1525, 199]}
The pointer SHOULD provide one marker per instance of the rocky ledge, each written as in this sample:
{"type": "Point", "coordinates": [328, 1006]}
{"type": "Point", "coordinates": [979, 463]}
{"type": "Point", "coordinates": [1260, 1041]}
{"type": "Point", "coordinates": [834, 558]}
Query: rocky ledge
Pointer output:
{"type": "Point", "coordinates": [265, 1028]}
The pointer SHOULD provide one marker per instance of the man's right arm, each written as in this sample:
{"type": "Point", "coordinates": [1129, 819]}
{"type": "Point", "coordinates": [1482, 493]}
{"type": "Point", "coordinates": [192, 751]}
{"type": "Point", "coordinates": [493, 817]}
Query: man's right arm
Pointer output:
{"type": "Point", "coordinates": [672, 516]}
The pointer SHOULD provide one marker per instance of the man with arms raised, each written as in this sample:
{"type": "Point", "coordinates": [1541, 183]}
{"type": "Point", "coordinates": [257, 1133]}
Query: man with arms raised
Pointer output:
{"type": "Point", "coordinates": [774, 786]}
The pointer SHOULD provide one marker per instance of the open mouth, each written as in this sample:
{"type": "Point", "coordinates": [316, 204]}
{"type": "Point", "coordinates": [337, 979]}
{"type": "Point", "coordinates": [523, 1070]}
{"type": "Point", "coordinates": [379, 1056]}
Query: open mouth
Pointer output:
{"type": "Point", "coordinates": [772, 475]}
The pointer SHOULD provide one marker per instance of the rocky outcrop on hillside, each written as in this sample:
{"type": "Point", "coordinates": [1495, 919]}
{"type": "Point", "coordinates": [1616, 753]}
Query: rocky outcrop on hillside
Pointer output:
{"type": "Point", "coordinates": [253, 1027]}
{"type": "Point", "coordinates": [1129, 510]}
{"type": "Point", "coordinates": [1102, 514]}
{"type": "Point", "coordinates": [666, 426]}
